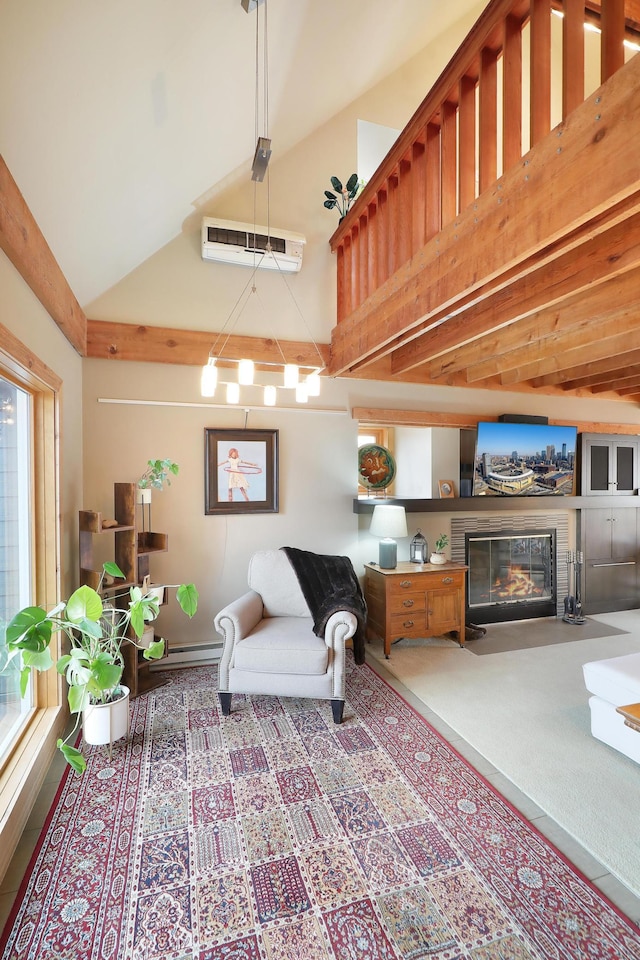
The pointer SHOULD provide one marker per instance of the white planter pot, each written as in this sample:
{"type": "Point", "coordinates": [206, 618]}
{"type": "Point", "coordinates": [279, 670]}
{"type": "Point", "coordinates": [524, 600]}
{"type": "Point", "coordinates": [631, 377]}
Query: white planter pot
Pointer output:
{"type": "Point", "coordinates": [143, 495]}
{"type": "Point", "coordinates": [147, 638]}
{"type": "Point", "coordinates": [158, 593]}
{"type": "Point", "coordinates": [105, 722]}
{"type": "Point", "coordinates": [437, 558]}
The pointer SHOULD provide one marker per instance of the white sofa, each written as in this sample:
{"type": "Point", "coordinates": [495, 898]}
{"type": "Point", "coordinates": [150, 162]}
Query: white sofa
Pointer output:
{"type": "Point", "coordinates": [269, 643]}
{"type": "Point", "coordinates": [614, 683]}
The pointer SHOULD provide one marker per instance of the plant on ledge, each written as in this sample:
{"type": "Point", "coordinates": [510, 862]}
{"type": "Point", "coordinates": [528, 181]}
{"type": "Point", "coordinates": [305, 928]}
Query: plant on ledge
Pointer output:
{"type": "Point", "coordinates": [344, 196]}
{"type": "Point", "coordinates": [441, 543]}
{"type": "Point", "coordinates": [157, 473]}
{"type": "Point", "coordinates": [95, 631]}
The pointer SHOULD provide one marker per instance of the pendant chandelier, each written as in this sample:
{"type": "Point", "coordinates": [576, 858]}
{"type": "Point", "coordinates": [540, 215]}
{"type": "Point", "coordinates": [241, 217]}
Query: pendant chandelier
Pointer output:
{"type": "Point", "coordinates": [234, 373]}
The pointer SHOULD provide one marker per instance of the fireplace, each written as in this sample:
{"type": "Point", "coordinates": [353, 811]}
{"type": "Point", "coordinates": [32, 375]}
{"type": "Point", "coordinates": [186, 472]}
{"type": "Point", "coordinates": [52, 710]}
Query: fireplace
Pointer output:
{"type": "Point", "coordinates": [512, 575]}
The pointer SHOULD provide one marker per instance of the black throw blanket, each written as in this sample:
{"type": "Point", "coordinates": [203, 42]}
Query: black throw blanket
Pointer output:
{"type": "Point", "coordinates": [330, 584]}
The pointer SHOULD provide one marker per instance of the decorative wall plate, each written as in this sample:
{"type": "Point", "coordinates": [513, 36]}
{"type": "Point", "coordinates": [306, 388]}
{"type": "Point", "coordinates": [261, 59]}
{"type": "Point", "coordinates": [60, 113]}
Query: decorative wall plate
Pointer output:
{"type": "Point", "coordinates": [376, 466]}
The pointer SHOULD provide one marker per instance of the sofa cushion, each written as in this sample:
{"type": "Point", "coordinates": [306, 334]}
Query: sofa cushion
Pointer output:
{"type": "Point", "coordinates": [616, 680]}
{"type": "Point", "coordinates": [272, 576]}
{"type": "Point", "coordinates": [283, 645]}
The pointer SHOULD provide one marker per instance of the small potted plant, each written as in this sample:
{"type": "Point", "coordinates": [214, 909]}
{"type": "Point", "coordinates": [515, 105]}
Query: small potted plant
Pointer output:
{"type": "Point", "coordinates": [93, 664]}
{"type": "Point", "coordinates": [156, 474]}
{"type": "Point", "coordinates": [342, 199]}
{"type": "Point", "coordinates": [438, 556]}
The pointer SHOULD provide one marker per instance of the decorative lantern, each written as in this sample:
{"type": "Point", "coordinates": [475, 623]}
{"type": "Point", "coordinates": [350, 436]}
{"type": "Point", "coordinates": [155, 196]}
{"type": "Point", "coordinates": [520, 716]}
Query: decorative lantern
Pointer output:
{"type": "Point", "coordinates": [418, 549]}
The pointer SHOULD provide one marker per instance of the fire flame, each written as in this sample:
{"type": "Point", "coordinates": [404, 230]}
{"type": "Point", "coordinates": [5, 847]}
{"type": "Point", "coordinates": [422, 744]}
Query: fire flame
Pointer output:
{"type": "Point", "coordinates": [517, 583]}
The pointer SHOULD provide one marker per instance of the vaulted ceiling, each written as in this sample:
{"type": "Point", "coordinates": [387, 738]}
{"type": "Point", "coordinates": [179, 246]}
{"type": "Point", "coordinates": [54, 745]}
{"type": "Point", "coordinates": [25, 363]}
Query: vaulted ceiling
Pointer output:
{"type": "Point", "coordinates": [119, 119]}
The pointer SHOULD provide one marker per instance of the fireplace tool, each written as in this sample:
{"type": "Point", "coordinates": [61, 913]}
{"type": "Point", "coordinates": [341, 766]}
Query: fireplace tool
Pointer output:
{"type": "Point", "coordinates": [573, 602]}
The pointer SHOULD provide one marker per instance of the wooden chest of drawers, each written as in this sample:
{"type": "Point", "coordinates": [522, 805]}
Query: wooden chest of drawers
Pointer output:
{"type": "Point", "coordinates": [414, 600]}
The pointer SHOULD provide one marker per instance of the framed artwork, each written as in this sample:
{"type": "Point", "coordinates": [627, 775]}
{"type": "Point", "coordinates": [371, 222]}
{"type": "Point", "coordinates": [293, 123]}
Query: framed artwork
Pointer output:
{"type": "Point", "coordinates": [240, 471]}
{"type": "Point", "coordinates": [446, 489]}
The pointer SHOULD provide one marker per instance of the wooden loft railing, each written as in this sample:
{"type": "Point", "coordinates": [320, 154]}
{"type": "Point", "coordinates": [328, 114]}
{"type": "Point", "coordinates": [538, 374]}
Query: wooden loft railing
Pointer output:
{"type": "Point", "coordinates": [469, 130]}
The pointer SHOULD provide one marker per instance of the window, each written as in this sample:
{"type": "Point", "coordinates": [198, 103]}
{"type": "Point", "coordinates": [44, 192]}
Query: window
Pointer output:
{"type": "Point", "coordinates": [16, 536]}
{"type": "Point", "coordinates": [29, 549]}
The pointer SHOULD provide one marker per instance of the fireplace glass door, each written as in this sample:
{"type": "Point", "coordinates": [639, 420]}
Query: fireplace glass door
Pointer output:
{"type": "Point", "coordinates": [511, 572]}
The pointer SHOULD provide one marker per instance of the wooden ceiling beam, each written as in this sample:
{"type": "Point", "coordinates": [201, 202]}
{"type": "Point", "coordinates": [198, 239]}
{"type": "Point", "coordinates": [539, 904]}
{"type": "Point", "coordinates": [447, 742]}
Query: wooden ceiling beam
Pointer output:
{"type": "Point", "coordinates": [465, 421]}
{"type": "Point", "coordinates": [24, 244]}
{"type": "Point", "coordinates": [622, 385]}
{"type": "Point", "coordinates": [107, 340]}
{"type": "Point", "coordinates": [567, 357]}
{"type": "Point", "coordinates": [577, 322]}
{"type": "Point", "coordinates": [498, 323]}
{"type": "Point", "coordinates": [588, 374]}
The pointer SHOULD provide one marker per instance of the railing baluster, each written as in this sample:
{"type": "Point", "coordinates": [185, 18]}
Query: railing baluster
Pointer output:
{"type": "Point", "coordinates": [434, 215]}
{"type": "Point", "coordinates": [572, 56]}
{"type": "Point", "coordinates": [512, 92]}
{"type": "Point", "coordinates": [488, 118]}
{"type": "Point", "coordinates": [540, 69]}
{"type": "Point", "coordinates": [419, 194]}
{"type": "Point", "coordinates": [405, 211]}
{"type": "Point", "coordinates": [363, 263]}
{"type": "Point", "coordinates": [372, 248]}
{"type": "Point", "coordinates": [467, 141]}
{"type": "Point", "coordinates": [383, 237]}
{"type": "Point", "coordinates": [612, 41]}
{"type": "Point", "coordinates": [392, 218]}
{"type": "Point", "coordinates": [449, 162]}
{"type": "Point", "coordinates": [355, 268]}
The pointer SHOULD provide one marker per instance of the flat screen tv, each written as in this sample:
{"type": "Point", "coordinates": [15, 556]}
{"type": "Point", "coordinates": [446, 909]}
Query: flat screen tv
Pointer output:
{"type": "Point", "coordinates": [524, 460]}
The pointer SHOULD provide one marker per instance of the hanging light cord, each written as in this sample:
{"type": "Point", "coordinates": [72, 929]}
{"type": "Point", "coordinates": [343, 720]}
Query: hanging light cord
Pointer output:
{"type": "Point", "coordinates": [258, 257]}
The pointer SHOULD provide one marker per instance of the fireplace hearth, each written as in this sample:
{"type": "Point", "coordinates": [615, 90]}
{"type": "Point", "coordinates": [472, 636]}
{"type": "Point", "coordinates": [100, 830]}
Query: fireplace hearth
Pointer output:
{"type": "Point", "coordinates": [512, 575]}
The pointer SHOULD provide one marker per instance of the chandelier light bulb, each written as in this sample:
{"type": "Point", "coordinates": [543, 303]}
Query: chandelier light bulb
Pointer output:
{"type": "Point", "coordinates": [291, 375]}
{"type": "Point", "coordinates": [245, 372]}
{"type": "Point", "coordinates": [302, 394]}
{"type": "Point", "coordinates": [312, 384]}
{"type": "Point", "coordinates": [209, 378]}
{"type": "Point", "coordinates": [233, 393]}
{"type": "Point", "coordinates": [270, 395]}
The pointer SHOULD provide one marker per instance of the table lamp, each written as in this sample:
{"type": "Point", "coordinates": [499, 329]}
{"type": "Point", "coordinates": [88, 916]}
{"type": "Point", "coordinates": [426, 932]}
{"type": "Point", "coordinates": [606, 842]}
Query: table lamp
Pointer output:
{"type": "Point", "coordinates": [388, 522]}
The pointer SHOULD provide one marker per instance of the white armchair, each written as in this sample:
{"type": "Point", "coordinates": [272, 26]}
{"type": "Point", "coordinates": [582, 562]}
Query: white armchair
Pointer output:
{"type": "Point", "coordinates": [269, 642]}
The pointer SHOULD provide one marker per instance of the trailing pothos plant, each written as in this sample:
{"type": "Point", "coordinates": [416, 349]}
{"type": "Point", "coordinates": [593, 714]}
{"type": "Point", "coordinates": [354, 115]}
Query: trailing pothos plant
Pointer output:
{"type": "Point", "coordinates": [157, 473]}
{"type": "Point", "coordinates": [95, 631]}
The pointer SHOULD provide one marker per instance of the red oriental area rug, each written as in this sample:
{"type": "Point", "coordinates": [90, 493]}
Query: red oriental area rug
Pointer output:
{"type": "Point", "coordinates": [273, 834]}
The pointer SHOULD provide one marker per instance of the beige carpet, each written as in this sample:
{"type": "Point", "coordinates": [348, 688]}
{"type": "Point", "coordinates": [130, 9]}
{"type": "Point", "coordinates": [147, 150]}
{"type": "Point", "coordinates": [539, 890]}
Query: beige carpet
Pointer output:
{"type": "Point", "coordinates": [527, 712]}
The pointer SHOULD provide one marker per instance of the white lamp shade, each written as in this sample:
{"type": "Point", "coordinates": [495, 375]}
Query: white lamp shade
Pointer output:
{"type": "Point", "coordinates": [313, 384]}
{"type": "Point", "coordinates": [389, 521]}
{"type": "Point", "coordinates": [245, 372]}
{"type": "Point", "coordinates": [291, 374]}
{"type": "Point", "coordinates": [233, 393]}
{"type": "Point", "coordinates": [209, 379]}
{"type": "Point", "coordinates": [270, 395]}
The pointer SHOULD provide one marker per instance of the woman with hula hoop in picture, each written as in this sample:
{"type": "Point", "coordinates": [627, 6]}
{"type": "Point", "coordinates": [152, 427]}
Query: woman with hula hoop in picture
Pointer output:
{"type": "Point", "coordinates": [237, 468]}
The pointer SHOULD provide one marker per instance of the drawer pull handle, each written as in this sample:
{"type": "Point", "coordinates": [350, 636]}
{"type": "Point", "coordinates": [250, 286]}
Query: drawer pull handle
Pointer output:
{"type": "Point", "coordinates": [447, 579]}
{"type": "Point", "coordinates": [408, 623]}
{"type": "Point", "coordinates": [405, 584]}
{"type": "Point", "coordinates": [408, 603]}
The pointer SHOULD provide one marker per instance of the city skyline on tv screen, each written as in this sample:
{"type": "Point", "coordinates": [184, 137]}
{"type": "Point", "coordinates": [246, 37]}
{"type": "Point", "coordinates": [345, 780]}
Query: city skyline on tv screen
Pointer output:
{"type": "Point", "coordinates": [524, 459]}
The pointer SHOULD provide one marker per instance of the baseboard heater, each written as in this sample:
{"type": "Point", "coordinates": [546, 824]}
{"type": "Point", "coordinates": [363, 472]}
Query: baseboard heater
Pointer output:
{"type": "Point", "coordinates": [200, 653]}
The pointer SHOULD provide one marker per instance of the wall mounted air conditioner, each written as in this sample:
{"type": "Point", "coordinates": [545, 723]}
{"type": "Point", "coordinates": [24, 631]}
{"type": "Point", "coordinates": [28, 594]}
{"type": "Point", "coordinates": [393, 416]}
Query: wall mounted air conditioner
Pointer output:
{"type": "Point", "coordinates": [228, 241]}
